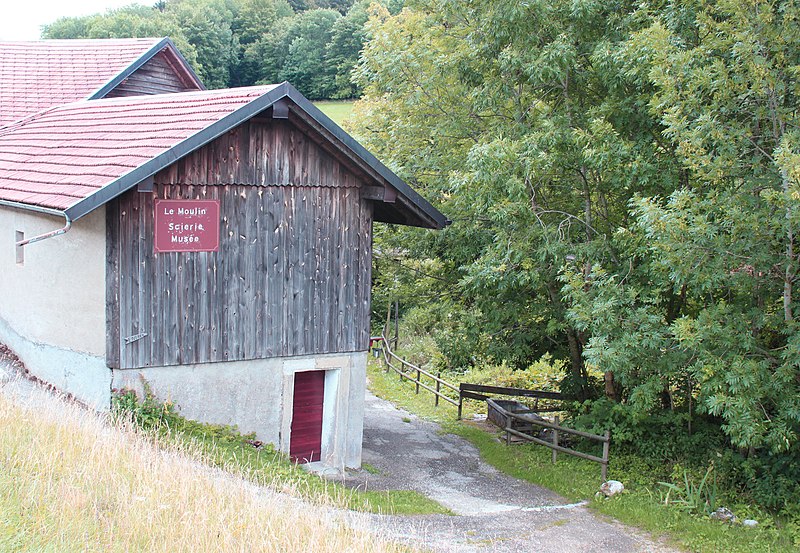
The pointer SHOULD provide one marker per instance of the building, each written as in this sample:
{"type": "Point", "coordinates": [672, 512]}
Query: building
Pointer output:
{"type": "Point", "coordinates": [40, 74]}
{"type": "Point", "coordinates": [213, 244]}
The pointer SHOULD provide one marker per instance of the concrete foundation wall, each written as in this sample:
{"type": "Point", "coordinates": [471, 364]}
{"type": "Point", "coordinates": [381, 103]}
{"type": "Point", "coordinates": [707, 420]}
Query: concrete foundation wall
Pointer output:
{"type": "Point", "coordinates": [52, 303]}
{"type": "Point", "coordinates": [257, 396]}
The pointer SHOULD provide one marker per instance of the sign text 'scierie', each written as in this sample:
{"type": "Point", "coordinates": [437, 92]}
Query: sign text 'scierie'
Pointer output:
{"type": "Point", "coordinates": [186, 226]}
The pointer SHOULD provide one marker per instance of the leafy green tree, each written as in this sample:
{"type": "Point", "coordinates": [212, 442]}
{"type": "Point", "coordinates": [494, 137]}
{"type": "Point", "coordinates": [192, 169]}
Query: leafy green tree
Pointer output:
{"type": "Point", "coordinates": [69, 27]}
{"type": "Point", "coordinates": [711, 284]}
{"type": "Point", "coordinates": [252, 20]}
{"type": "Point", "coordinates": [344, 47]}
{"type": "Point", "coordinates": [305, 65]}
{"type": "Point", "coordinates": [242, 42]}
{"type": "Point", "coordinates": [206, 24]}
{"type": "Point", "coordinates": [295, 51]}
{"type": "Point", "coordinates": [522, 121]}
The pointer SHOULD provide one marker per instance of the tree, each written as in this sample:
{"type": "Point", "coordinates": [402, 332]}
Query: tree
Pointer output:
{"type": "Point", "coordinates": [206, 24]}
{"type": "Point", "coordinates": [243, 42]}
{"type": "Point", "coordinates": [252, 19]}
{"type": "Point", "coordinates": [521, 121]}
{"type": "Point", "coordinates": [722, 247]}
{"type": "Point", "coordinates": [344, 47]}
{"type": "Point", "coordinates": [305, 65]}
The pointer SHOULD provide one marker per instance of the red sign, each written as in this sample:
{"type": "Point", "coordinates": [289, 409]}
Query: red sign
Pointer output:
{"type": "Point", "coordinates": [187, 226]}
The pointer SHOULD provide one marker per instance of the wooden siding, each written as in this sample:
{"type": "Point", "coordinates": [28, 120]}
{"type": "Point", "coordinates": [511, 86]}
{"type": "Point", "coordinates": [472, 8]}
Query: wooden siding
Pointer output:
{"type": "Point", "coordinates": [292, 276]}
{"type": "Point", "coordinates": [156, 76]}
{"type": "Point", "coordinates": [264, 152]}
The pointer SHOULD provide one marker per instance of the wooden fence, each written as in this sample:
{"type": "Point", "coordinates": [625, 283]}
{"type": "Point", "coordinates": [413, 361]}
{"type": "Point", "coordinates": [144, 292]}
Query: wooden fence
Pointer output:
{"type": "Point", "coordinates": [478, 391]}
{"type": "Point", "coordinates": [411, 372]}
{"type": "Point", "coordinates": [509, 417]}
{"type": "Point", "coordinates": [510, 420]}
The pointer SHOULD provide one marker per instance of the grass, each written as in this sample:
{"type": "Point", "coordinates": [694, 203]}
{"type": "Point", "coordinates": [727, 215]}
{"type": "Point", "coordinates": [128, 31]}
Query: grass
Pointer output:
{"type": "Point", "coordinates": [338, 110]}
{"type": "Point", "coordinates": [69, 481]}
{"type": "Point", "coordinates": [576, 479]}
{"type": "Point", "coordinates": [223, 447]}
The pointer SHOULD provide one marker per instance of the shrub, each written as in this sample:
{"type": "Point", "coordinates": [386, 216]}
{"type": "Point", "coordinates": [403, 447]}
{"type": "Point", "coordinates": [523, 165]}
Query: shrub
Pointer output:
{"type": "Point", "coordinates": [545, 374]}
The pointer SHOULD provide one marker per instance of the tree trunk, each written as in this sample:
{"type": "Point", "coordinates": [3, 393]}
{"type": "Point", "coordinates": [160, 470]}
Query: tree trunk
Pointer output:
{"type": "Point", "coordinates": [575, 342]}
{"type": "Point", "coordinates": [789, 275]}
{"type": "Point", "coordinates": [577, 364]}
{"type": "Point", "coordinates": [610, 389]}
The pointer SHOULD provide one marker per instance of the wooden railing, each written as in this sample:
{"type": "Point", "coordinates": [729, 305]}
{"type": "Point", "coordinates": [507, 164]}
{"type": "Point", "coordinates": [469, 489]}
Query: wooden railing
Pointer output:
{"type": "Point", "coordinates": [410, 371]}
{"type": "Point", "coordinates": [478, 391]}
{"type": "Point", "coordinates": [509, 417]}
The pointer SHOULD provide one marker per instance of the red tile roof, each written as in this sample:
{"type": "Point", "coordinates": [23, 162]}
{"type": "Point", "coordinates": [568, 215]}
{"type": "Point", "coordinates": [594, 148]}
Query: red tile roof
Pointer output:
{"type": "Point", "coordinates": [66, 154]}
{"type": "Point", "coordinates": [36, 75]}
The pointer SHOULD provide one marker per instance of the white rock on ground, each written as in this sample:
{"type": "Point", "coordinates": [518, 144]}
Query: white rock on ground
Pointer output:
{"type": "Point", "coordinates": [611, 488]}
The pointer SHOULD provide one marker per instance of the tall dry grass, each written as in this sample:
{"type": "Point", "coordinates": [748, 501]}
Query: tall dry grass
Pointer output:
{"type": "Point", "coordinates": [71, 481]}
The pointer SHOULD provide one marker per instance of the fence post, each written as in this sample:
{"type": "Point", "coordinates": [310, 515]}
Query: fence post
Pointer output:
{"type": "Point", "coordinates": [555, 438]}
{"type": "Point", "coordinates": [606, 445]}
{"type": "Point", "coordinates": [436, 401]}
{"type": "Point", "coordinates": [418, 375]}
{"type": "Point", "coordinates": [396, 323]}
{"type": "Point", "coordinates": [460, 402]}
{"type": "Point", "coordinates": [387, 326]}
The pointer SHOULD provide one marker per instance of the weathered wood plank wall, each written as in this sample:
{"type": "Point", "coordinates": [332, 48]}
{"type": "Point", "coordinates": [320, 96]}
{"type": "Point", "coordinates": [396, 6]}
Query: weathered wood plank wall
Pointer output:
{"type": "Point", "coordinates": [157, 76]}
{"type": "Point", "coordinates": [292, 276]}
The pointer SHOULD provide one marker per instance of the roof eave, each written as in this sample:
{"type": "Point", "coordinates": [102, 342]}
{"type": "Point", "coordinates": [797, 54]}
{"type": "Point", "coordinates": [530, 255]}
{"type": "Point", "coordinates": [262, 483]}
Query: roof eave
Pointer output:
{"type": "Point", "coordinates": [434, 218]}
{"type": "Point", "coordinates": [424, 214]}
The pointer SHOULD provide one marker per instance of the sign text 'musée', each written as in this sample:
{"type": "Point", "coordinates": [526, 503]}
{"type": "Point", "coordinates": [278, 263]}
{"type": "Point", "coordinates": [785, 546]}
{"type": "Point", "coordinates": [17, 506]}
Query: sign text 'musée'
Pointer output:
{"type": "Point", "coordinates": [186, 226]}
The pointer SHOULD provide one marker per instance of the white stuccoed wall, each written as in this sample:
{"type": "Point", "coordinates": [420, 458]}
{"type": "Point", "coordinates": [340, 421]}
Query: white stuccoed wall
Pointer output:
{"type": "Point", "coordinates": [52, 307]}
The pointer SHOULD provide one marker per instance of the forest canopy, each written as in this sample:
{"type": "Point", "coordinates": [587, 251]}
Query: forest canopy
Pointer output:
{"type": "Point", "coordinates": [314, 44]}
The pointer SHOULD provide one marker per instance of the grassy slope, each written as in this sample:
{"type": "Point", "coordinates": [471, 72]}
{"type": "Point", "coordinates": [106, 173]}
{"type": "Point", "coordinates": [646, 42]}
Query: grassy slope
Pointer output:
{"type": "Point", "coordinates": [577, 479]}
{"type": "Point", "coordinates": [70, 482]}
{"type": "Point", "coordinates": [336, 110]}
{"type": "Point", "coordinates": [223, 447]}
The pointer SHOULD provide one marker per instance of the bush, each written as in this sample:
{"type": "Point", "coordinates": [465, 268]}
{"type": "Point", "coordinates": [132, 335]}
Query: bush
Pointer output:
{"type": "Point", "coordinates": [545, 374]}
{"type": "Point", "coordinates": [662, 440]}
{"type": "Point", "coordinates": [663, 435]}
{"type": "Point", "coordinates": [770, 480]}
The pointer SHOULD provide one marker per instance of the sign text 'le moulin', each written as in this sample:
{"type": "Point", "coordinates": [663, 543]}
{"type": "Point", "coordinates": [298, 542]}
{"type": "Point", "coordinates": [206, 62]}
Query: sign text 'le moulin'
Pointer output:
{"type": "Point", "coordinates": [186, 226]}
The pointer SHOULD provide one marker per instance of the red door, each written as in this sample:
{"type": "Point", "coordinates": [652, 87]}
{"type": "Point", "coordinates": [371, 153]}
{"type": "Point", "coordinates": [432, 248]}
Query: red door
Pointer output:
{"type": "Point", "coordinates": [306, 437]}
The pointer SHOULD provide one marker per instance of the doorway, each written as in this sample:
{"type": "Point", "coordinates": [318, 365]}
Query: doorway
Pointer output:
{"type": "Point", "coordinates": [305, 442]}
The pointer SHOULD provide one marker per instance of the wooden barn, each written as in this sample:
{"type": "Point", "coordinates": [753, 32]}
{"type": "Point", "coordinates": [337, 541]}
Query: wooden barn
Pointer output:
{"type": "Point", "coordinates": [215, 245]}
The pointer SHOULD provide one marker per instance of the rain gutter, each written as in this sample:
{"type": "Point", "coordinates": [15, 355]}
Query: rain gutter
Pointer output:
{"type": "Point", "coordinates": [45, 210]}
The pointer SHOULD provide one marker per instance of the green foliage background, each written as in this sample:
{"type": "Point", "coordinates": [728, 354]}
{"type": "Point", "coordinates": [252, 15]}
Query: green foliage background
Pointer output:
{"type": "Point", "coordinates": [623, 183]}
{"type": "Point", "coordinates": [313, 44]}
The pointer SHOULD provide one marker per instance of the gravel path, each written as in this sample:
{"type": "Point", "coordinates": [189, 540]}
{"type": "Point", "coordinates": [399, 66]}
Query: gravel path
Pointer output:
{"type": "Point", "coordinates": [494, 512]}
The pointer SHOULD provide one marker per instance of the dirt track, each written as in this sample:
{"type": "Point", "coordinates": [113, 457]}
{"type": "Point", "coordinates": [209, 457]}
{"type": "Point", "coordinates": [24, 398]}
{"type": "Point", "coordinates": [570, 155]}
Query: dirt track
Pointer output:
{"type": "Point", "coordinates": [494, 512]}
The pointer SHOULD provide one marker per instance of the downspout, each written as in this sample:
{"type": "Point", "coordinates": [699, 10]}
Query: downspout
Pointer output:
{"type": "Point", "coordinates": [45, 210]}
